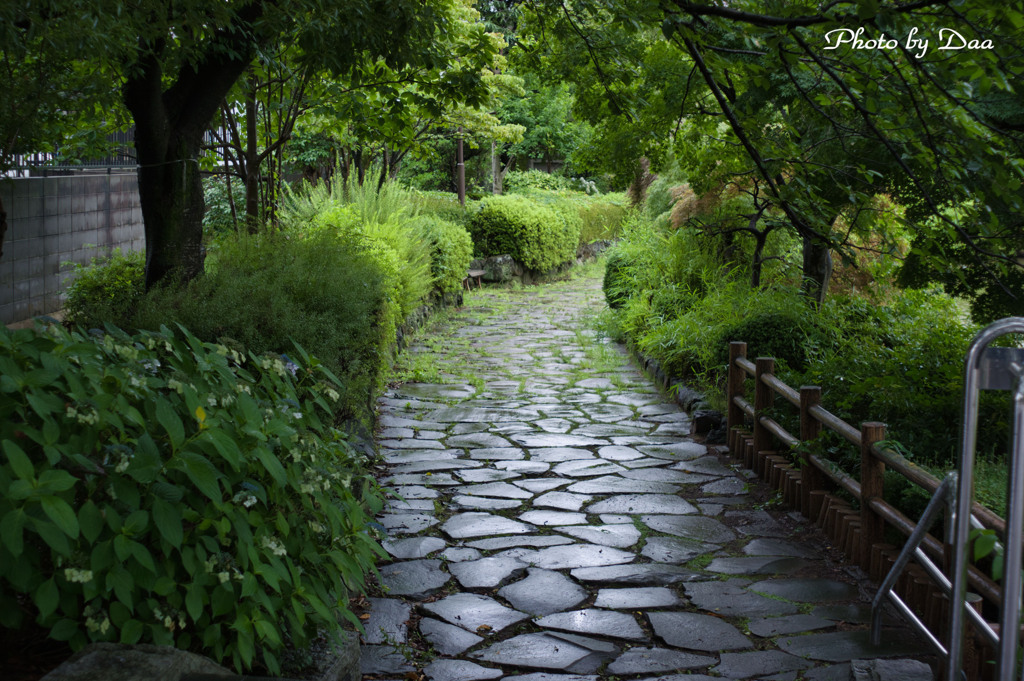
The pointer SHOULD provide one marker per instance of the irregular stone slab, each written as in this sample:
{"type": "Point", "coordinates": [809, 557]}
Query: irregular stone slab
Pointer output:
{"type": "Point", "coordinates": [485, 503]}
{"type": "Point", "coordinates": [472, 611]}
{"type": "Point", "coordinates": [620, 536]}
{"type": "Point", "coordinates": [562, 500]}
{"type": "Point", "coordinates": [706, 465]}
{"type": "Point", "coordinates": [638, 440]}
{"type": "Point", "coordinates": [835, 672]}
{"type": "Point", "coordinates": [777, 547]}
{"type": "Point", "coordinates": [579, 556]}
{"type": "Point", "coordinates": [435, 466]}
{"type": "Point", "coordinates": [392, 421]}
{"type": "Point", "coordinates": [594, 644]}
{"type": "Point", "coordinates": [653, 660]}
{"type": "Point", "coordinates": [430, 434]}
{"type": "Point", "coordinates": [758, 664]}
{"type": "Point", "coordinates": [654, 574]}
{"type": "Point", "coordinates": [756, 524]}
{"type": "Point", "coordinates": [609, 430]}
{"type": "Point", "coordinates": [539, 485]}
{"type": "Point", "coordinates": [550, 518]}
{"type": "Point", "coordinates": [555, 440]}
{"type": "Point", "coordinates": [665, 475]}
{"type": "Point", "coordinates": [431, 479]}
{"type": "Point", "coordinates": [502, 490]}
{"type": "Point", "coordinates": [646, 462]}
{"type": "Point", "coordinates": [499, 543]}
{"type": "Point", "coordinates": [460, 554]}
{"type": "Point", "coordinates": [676, 551]}
{"type": "Point", "coordinates": [595, 622]}
{"type": "Point", "coordinates": [731, 599]}
{"type": "Point", "coordinates": [607, 412]}
{"type": "Point", "coordinates": [635, 504]}
{"type": "Point", "coordinates": [890, 670]}
{"type": "Point", "coordinates": [447, 639]}
{"type": "Point", "coordinates": [382, 660]}
{"type": "Point", "coordinates": [487, 572]}
{"type": "Point", "coordinates": [416, 492]}
{"type": "Point", "coordinates": [413, 547]}
{"type": "Point", "coordinates": [633, 399]}
{"type": "Point", "coordinates": [486, 475]}
{"type": "Point", "coordinates": [497, 454]}
{"type": "Point", "coordinates": [725, 486]}
{"type": "Point", "coordinates": [473, 415]}
{"type": "Point", "coordinates": [537, 651]}
{"type": "Point", "coordinates": [856, 613]}
{"type": "Point", "coordinates": [465, 525]}
{"type": "Point", "coordinates": [806, 590]}
{"type": "Point", "coordinates": [613, 484]}
{"type": "Point", "coordinates": [388, 621]}
{"type": "Point", "coordinates": [636, 599]}
{"type": "Point", "coordinates": [617, 453]}
{"type": "Point", "coordinates": [558, 454]}
{"type": "Point", "coordinates": [769, 627]}
{"type": "Point", "coordinates": [541, 676]}
{"type": "Point", "coordinates": [435, 391]}
{"type": "Point", "coordinates": [679, 451]}
{"type": "Point", "coordinates": [697, 528]}
{"type": "Point", "coordinates": [587, 467]}
{"type": "Point", "coordinates": [756, 565]}
{"type": "Point", "coordinates": [694, 631]}
{"type": "Point", "coordinates": [843, 646]}
{"type": "Point", "coordinates": [595, 383]}
{"type": "Point", "coordinates": [477, 441]}
{"type": "Point", "coordinates": [410, 506]}
{"type": "Point", "coordinates": [459, 670]}
{"type": "Point", "coordinates": [416, 579]}
{"type": "Point", "coordinates": [410, 444]}
{"type": "Point", "coordinates": [403, 456]}
{"type": "Point", "coordinates": [406, 523]}
{"type": "Point", "coordinates": [554, 425]}
{"type": "Point", "coordinates": [525, 467]}
{"type": "Point", "coordinates": [543, 592]}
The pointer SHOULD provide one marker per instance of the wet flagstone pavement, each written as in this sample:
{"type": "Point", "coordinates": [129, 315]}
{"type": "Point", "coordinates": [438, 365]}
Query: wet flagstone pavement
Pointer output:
{"type": "Point", "coordinates": [556, 522]}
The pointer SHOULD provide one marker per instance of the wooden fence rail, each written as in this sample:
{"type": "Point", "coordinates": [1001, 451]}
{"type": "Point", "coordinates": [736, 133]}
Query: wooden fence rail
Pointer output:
{"type": "Point", "coordinates": [810, 487]}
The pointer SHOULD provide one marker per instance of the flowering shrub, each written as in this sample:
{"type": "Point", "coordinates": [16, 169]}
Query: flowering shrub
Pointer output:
{"type": "Point", "coordinates": [155, 488]}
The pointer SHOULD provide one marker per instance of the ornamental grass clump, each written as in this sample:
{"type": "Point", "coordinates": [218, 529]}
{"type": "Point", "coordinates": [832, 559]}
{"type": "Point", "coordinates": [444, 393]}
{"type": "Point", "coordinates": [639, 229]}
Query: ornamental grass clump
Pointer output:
{"type": "Point", "coordinates": [155, 488]}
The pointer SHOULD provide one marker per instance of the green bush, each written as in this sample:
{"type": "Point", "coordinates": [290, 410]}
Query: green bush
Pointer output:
{"type": "Point", "coordinates": [160, 489]}
{"type": "Point", "coordinates": [217, 217]}
{"type": "Point", "coordinates": [602, 218]}
{"type": "Point", "coordinates": [451, 252]}
{"type": "Point", "coordinates": [443, 205]}
{"type": "Point", "coordinates": [541, 237]}
{"type": "Point", "coordinates": [615, 293]}
{"type": "Point", "coordinates": [335, 294]}
{"type": "Point", "coordinates": [106, 290]}
{"type": "Point", "coordinates": [518, 180]}
{"type": "Point", "coordinates": [784, 335]}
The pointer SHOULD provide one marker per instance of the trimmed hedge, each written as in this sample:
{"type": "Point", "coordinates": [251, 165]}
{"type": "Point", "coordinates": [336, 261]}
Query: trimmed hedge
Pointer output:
{"type": "Point", "coordinates": [538, 236]}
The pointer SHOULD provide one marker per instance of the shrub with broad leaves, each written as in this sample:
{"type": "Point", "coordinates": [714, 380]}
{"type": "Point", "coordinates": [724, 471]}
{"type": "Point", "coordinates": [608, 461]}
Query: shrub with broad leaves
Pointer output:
{"type": "Point", "coordinates": [155, 488]}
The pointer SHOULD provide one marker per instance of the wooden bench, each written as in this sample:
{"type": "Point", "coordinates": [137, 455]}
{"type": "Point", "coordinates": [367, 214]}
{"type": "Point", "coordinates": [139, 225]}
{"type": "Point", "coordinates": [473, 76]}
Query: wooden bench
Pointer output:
{"type": "Point", "coordinates": [467, 282]}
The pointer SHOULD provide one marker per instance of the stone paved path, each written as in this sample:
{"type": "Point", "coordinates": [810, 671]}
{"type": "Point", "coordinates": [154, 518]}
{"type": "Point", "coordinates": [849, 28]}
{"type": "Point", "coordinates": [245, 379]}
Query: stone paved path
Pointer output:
{"type": "Point", "coordinates": [557, 523]}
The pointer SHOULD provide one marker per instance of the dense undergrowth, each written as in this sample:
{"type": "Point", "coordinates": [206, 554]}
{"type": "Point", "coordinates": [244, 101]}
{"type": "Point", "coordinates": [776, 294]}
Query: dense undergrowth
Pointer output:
{"type": "Point", "coordinates": [187, 466]}
{"type": "Point", "coordinates": [679, 289]}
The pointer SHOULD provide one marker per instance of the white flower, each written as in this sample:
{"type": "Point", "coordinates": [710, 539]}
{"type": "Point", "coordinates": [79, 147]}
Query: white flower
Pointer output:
{"type": "Point", "coordinates": [76, 575]}
{"type": "Point", "coordinates": [223, 576]}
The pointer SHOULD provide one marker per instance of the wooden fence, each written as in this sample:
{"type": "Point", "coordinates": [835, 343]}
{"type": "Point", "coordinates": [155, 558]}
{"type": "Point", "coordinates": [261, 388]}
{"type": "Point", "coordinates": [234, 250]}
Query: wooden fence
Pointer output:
{"type": "Point", "coordinates": [814, 488]}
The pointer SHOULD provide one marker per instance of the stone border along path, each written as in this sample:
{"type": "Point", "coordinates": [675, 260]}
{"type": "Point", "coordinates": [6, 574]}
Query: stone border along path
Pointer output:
{"type": "Point", "coordinates": [558, 523]}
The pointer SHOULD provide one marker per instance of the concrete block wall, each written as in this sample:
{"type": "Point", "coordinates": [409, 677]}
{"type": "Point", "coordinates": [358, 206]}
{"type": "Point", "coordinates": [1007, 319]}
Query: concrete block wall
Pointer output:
{"type": "Point", "coordinates": [56, 220]}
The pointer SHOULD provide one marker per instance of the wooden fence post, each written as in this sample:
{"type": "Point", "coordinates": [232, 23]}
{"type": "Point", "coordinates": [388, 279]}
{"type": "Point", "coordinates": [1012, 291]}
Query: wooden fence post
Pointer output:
{"type": "Point", "coordinates": [764, 398]}
{"type": "Point", "coordinates": [810, 477]}
{"type": "Point", "coordinates": [734, 415]}
{"type": "Point", "coordinates": [872, 486]}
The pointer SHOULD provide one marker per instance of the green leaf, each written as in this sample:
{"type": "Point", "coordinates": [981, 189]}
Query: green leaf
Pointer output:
{"type": "Point", "coordinates": [168, 520]}
{"type": "Point", "coordinates": [122, 547]}
{"type": "Point", "coordinates": [203, 474]}
{"type": "Point", "coordinates": [171, 422]}
{"type": "Point", "coordinates": [55, 480]}
{"type": "Point", "coordinates": [122, 583]}
{"type": "Point", "coordinates": [225, 446]}
{"type": "Point", "coordinates": [145, 464]}
{"type": "Point", "coordinates": [64, 630]}
{"type": "Point", "coordinates": [19, 461]}
{"type": "Point", "coordinates": [136, 522]}
{"type": "Point", "coordinates": [141, 554]}
{"type": "Point", "coordinates": [11, 534]}
{"type": "Point", "coordinates": [61, 513]}
{"type": "Point", "coordinates": [47, 598]}
{"type": "Point", "coordinates": [90, 521]}
{"type": "Point", "coordinates": [131, 632]}
{"type": "Point", "coordinates": [194, 602]}
{"type": "Point", "coordinates": [272, 464]}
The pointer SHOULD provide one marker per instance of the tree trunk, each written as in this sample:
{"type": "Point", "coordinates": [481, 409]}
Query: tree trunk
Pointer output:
{"type": "Point", "coordinates": [817, 269]}
{"type": "Point", "coordinates": [252, 150]}
{"type": "Point", "coordinates": [3, 227]}
{"type": "Point", "coordinates": [496, 177]}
